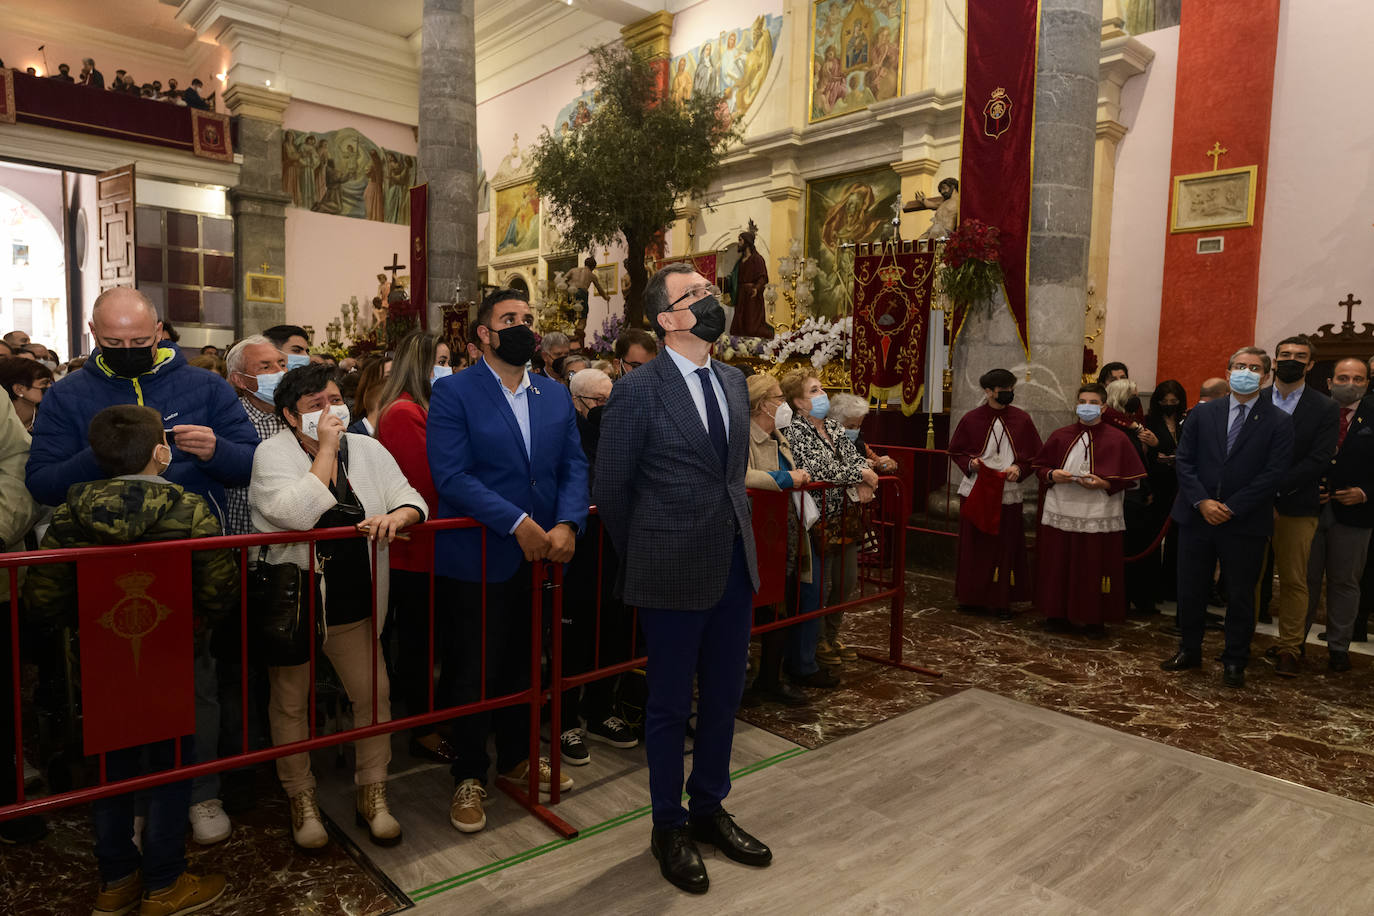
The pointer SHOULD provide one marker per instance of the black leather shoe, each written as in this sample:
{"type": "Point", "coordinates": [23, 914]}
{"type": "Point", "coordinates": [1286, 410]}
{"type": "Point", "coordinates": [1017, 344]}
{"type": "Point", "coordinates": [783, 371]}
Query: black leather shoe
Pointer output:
{"type": "Point", "coordinates": [786, 693]}
{"type": "Point", "coordinates": [1233, 675]}
{"type": "Point", "coordinates": [721, 831]}
{"type": "Point", "coordinates": [1286, 665]}
{"type": "Point", "coordinates": [1182, 660]}
{"type": "Point", "coordinates": [1338, 661]}
{"type": "Point", "coordinates": [818, 678]}
{"type": "Point", "coordinates": [441, 752]}
{"type": "Point", "coordinates": [1322, 636]}
{"type": "Point", "coordinates": [679, 860]}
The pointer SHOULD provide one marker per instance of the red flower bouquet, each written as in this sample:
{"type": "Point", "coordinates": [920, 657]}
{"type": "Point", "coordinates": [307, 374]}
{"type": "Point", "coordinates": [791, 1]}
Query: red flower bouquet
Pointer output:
{"type": "Point", "coordinates": [969, 268]}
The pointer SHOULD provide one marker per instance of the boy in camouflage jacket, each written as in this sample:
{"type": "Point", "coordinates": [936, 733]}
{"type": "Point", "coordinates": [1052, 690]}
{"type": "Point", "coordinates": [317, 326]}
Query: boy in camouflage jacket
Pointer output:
{"type": "Point", "coordinates": [137, 505]}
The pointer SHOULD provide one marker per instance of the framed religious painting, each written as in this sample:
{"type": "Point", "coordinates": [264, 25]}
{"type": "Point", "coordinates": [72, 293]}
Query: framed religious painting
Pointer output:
{"type": "Point", "coordinates": [1224, 199]}
{"type": "Point", "coordinates": [265, 288]}
{"type": "Point", "coordinates": [516, 222]}
{"type": "Point", "coordinates": [608, 275]}
{"type": "Point", "coordinates": [856, 55]}
{"type": "Point", "coordinates": [843, 211]}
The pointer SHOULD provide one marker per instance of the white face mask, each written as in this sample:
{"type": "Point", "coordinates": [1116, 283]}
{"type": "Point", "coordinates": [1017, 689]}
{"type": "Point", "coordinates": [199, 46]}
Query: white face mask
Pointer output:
{"type": "Point", "coordinates": [310, 422]}
{"type": "Point", "coordinates": [782, 417]}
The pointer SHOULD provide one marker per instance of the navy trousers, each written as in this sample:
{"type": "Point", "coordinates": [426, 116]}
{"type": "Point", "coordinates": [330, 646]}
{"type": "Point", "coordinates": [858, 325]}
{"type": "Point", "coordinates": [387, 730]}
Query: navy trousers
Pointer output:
{"type": "Point", "coordinates": [713, 645]}
{"type": "Point", "coordinates": [1242, 558]}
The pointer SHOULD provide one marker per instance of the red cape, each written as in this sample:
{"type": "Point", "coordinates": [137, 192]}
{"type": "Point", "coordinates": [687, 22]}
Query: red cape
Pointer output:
{"type": "Point", "coordinates": [970, 437]}
{"type": "Point", "coordinates": [1110, 454]}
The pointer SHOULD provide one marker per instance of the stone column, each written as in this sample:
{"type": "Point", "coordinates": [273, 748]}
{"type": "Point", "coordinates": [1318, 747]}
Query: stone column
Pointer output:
{"type": "Point", "coordinates": [1061, 221]}
{"type": "Point", "coordinates": [448, 148]}
{"type": "Point", "coordinates": [259, 205]}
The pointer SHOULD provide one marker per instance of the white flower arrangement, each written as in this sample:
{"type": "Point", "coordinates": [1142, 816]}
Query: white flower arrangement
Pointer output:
{"type": "Point", "coordinates": [820, 339]}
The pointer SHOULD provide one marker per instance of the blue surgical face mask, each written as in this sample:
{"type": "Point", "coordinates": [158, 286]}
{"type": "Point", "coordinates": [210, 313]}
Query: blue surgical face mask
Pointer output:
{"type": "Point", "coordinates": [296, 360]}
{"type": "Point", "coordinates": [267, 385]}
{"type": "Point", "coordinates": [1088, 413]}
{"type": "Point", "coordinates": [852, 435]}
{"type": "Point", "coordinates": [440, 372]}
{"type": "Point", "coordinates": [1244, 381]}
{"type": "Point", "coordinates": [820, 406]}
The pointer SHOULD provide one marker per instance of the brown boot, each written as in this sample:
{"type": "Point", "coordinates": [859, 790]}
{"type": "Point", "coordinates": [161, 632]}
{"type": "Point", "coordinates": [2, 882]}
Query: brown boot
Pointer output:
{"type": "Point", "coordinates": [119, 897]}
{"type": "Point", "coordinates": [188, 895]}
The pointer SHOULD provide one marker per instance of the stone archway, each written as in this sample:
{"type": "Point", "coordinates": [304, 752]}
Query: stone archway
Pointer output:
{"type": "Point", "coordinates": [33, 283]}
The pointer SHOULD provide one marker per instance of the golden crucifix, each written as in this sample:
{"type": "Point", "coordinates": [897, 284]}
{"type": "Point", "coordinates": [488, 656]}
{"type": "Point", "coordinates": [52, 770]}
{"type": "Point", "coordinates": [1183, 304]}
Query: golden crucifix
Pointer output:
{"type": "Point", "coordinates": [1216, 152]}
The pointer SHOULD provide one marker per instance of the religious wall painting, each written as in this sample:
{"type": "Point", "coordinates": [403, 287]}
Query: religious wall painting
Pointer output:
{"type": "Point", "coordinates": [576, 113]}
{"type": "Point", "coordinates": [343, 173]}
{"type": "Point", "coordinates": [608, 275]}
{"type": "Point", "coordinates": [734, 65]}
{"type": "Point", "coordinates": [517, 219]}
{"type": "Point", "coordinates": [1224, 199]}
{"type": "Point", "coordinates": [843, 211]}
{"type": "Point", "coordinates": [265, 288]}
{"type": "Point", "coordinates": [1148, 15]}
{"type": "Point", "coordinates": [856, 55]}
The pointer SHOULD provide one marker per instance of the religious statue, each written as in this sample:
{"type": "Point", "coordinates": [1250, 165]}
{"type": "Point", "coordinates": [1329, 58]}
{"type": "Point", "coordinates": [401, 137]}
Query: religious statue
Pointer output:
{"type": "Point", "coordinates": [748, 281]}
{"type": "Point", "coordinates": [946, 208]}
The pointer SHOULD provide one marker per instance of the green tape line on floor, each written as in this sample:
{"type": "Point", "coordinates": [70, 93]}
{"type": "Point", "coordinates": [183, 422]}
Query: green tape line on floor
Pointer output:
{"type": "Point", "coordinates": [448, 884]}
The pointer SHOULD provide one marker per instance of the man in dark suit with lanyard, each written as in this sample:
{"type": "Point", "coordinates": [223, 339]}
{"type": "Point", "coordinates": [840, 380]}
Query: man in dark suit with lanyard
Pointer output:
{"type": "Point", "coordinates": [670, 489]}
{"type": "Point", "coordinates": [1230, 459]}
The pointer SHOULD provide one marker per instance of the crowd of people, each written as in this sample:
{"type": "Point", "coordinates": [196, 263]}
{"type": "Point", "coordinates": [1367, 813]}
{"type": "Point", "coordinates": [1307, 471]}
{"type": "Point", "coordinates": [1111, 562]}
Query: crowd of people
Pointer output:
{"type": "Point", "coordinates": [193, 96]}
{"type": "Point", "coordinates": [138, 443]}
{"type": "Point", "coordinates": [1265, 476]}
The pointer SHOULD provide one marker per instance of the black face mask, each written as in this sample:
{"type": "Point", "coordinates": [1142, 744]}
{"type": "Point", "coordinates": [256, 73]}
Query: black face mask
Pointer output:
{"type": "Point", "coordinates": [710, 318]}
{"type": "Point", "coordinates": [557, 366]}
{"type": "Point", "coordinates": [1133, 405]}
{"type": "Point", "coordinates": [1170, 410]}
{"type": "Point", "coordinates": [515, 345]}
{"type": "Point", "coordinates": [1005, 397]}
{"type": "Point", "coordinates": [594, 417]}
{"type": "Point", "coordinates": [128, 362]}
{"type": "Point", "coordinates": [1289, 371]}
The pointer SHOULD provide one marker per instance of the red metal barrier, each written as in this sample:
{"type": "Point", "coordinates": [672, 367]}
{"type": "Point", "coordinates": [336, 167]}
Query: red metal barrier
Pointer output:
{"type": "Point", "coordinates": [924, 471]}
{"type": "Point", "coordinates": [881, 565]}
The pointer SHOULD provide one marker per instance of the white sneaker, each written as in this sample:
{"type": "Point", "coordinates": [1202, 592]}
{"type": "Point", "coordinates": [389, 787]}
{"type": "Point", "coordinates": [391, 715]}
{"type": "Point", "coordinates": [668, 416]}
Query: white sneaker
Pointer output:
{"type": "Point", "coordinates": [307, 830]}
{"type": "Point", "coordinates": [209, 823]}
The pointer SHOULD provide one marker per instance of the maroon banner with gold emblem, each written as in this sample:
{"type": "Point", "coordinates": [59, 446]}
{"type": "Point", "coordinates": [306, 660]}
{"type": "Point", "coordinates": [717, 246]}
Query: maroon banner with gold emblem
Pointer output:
{"type": "Point", "coordinates": [7, 113]}
{"type": "Point", "coordinates": [419, 252]}
{"type": "Point", "coordinates": [892, 291]}
{"type": "Point", "coordinates": [770, 543]}
{"type": "Point", "coordinates": [137, 650]}
{"type": "Point", "coordinates": [999, 120]}
{"type": "Point", "coordinates": [210, 135]}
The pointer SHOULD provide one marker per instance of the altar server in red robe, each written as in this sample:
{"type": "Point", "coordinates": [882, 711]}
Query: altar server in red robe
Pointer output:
{"type": "Point", "coordinates": [998, 442]}
{"type": "Point", "coordinates": [1086, 467]}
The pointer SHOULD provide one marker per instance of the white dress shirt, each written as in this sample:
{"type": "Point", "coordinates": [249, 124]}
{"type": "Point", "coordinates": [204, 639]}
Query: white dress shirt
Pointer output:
{"type": "Point", "coordinates": [520, 406]}
{"type": "Point", "coordinates": [689, 375]}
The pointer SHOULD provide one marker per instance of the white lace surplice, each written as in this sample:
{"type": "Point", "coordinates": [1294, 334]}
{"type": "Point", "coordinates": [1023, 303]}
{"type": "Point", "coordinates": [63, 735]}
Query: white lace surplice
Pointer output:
{"type": "Point", "coordinates": [998, 455]}
{"type": "Point", "coordinates": [1070, 507]}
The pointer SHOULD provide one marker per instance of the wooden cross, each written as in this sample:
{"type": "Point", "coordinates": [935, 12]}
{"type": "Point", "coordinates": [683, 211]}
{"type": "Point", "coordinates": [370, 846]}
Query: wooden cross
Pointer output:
{"type": "Point", "coordinates": [395, 266]}
{"type": "Point", "coordinates": [1216, 152]}
{"type": "Point", "coordinates": [1349, 306]}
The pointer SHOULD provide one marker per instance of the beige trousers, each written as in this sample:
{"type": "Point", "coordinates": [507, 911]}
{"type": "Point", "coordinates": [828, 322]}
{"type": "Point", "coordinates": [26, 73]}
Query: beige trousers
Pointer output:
{"type": "Point", "coordinates": [351, 648]}
{"type": "Point", "coordinates": [1292, 548]}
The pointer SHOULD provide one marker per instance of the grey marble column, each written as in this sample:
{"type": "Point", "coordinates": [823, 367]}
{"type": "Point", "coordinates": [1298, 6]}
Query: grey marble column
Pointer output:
{"type": "Point", "coordinates": [1061, 220]}
{"type": "Point", "coordinates": [448, 148]}
{"type": "Point", "coordinates": [259, 208]}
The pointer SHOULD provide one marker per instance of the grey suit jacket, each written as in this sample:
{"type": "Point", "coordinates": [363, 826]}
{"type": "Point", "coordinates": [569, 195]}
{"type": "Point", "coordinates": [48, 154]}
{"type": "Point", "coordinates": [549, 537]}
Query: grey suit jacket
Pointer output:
{"type": "Point", "coordinates": [671, 510]}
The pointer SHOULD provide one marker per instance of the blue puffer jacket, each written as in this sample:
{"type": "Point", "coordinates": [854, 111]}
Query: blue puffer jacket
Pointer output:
{"type": "Point", "coordinates": [183, 394]}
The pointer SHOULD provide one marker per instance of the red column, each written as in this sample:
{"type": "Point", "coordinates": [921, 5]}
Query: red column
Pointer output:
{"type": "Point", "coordinates": [1225, 93]}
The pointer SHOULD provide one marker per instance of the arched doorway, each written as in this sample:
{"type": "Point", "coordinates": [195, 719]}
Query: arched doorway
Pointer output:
{"type": "Point", "coordinates": [33, 284]}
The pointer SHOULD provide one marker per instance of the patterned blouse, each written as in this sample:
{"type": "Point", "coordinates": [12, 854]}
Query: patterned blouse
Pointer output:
{"type": "Point", "coordinates": [836, 461]}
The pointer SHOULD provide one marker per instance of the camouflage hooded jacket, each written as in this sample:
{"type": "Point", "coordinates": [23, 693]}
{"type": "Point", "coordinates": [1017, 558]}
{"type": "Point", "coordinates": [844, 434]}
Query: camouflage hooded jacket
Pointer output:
{"type": "Point", "coordinates": [131, 510]}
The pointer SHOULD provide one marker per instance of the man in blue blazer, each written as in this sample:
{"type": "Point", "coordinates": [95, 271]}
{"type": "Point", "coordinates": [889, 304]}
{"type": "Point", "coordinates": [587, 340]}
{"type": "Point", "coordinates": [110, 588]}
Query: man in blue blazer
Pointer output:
{"type": "Point", "coordinates": [507, 453]}
{"type": "Point", "coordinates": [1231, 457]}
{"type": "Point", "coordinates": [670, 490]}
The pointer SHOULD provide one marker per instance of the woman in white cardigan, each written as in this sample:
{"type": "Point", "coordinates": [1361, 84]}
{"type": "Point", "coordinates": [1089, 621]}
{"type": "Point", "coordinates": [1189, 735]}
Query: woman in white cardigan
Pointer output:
{"type": "Point", "coordinates": [314, 475]}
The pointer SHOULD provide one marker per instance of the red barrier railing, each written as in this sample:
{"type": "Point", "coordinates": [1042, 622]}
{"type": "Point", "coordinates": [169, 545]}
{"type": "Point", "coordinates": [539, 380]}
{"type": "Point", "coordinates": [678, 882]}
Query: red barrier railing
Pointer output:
{"type": "Point", "coordinates": [881, 567]}
{"type": "Point", "coordinates": [925, 472]}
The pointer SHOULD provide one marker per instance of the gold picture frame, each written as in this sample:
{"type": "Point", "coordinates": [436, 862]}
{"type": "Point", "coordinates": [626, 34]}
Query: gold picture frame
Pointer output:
{"type": "Point", "coordinates": [608, 275]}
{"type": "Point", "coordinates": [1224, 199]}
{"type": "Point", "coordinates": [867, 40]}
{"type": "Point", "coordinates": [264, 288]}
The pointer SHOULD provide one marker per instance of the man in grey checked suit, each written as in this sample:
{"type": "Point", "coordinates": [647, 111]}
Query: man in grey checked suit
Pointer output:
{"type": "Point", "coordinates": [670, 489]}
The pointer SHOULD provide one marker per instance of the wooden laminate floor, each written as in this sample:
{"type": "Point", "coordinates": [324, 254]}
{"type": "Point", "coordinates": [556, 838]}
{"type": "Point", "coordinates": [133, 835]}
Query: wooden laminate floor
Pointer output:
{"type": "Point", "coordinates": [978, 804]}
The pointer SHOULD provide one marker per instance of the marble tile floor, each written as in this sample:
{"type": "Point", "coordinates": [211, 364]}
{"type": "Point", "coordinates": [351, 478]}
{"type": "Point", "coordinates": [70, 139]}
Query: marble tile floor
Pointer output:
{"type": "Point", "coordinates": [267, 874]}
{"type": "Point", "coordinates": [982, 804]}
{"type": "Point", "coordinates": [1316, 730]}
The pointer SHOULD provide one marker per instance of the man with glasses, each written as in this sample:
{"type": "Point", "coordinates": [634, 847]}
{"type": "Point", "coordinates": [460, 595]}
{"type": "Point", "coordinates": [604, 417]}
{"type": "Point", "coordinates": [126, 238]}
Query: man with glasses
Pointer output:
{"type": "Point", "coordinates": [633, 348]}
{"type": "Point", "coordinates": [1230, 459]}
{"type": "Point", "coordinates": [670, 488]}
